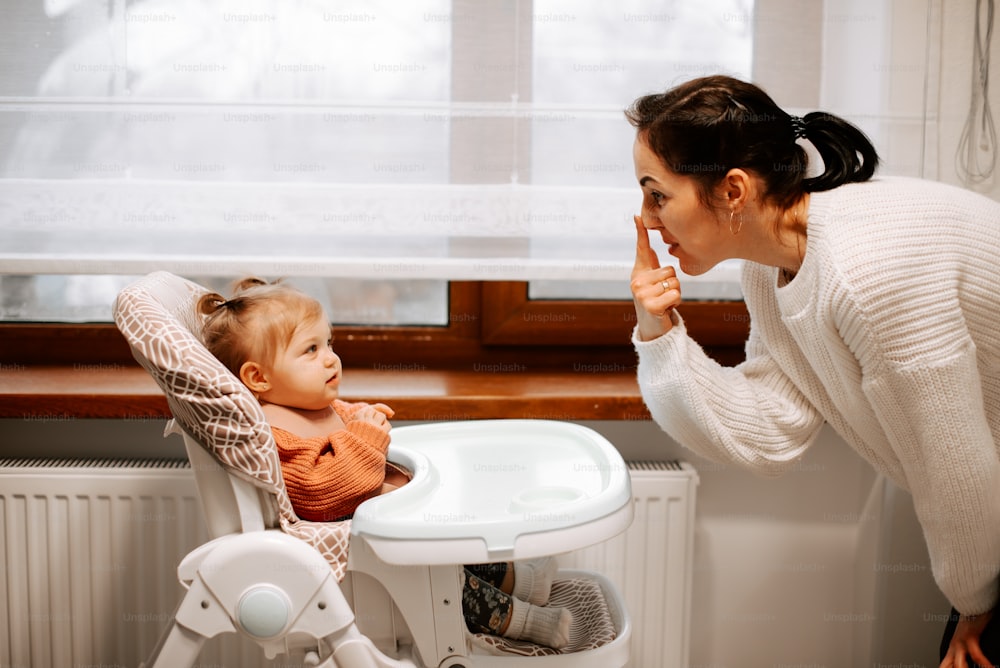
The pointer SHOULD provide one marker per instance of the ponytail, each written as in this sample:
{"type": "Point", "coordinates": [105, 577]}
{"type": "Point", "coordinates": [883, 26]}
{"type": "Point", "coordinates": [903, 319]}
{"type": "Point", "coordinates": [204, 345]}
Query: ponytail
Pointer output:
{"type": "Point", "coordinates": [209, 303]}
{"type": "Point", "coordinates": [848, 155]}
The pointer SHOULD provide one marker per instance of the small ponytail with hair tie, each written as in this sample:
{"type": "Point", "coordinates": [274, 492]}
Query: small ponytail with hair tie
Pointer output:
{"type": "Point", "coordinates": [211, 302]}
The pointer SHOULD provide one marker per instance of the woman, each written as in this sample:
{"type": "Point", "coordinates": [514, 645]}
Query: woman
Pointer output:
{"type": "Point", "coordinates": [874, 306]}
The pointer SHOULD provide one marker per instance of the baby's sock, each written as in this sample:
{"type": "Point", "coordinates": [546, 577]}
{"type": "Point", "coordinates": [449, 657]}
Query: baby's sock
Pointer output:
{"type": "Point", "coordinates": [545, 626]}
{"type": "Point", "coordinates": [533, 579]}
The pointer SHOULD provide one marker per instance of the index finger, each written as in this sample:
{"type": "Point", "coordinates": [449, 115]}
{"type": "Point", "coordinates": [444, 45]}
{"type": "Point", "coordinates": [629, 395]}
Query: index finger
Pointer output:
{"type": "Point", "coordinates": [645, 256]}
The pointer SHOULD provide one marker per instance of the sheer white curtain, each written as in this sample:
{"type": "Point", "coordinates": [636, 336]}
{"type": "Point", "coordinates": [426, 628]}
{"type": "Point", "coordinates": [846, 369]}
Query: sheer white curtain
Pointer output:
{"type": "Point", "coordinates": [375, 143]}
{"type": "Point", "coordinates": [379, 149]}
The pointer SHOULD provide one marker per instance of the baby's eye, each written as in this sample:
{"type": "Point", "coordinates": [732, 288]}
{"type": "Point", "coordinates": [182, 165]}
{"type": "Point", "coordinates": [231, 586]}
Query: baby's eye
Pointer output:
{"type": "Point", "coordinates": [313, 348]}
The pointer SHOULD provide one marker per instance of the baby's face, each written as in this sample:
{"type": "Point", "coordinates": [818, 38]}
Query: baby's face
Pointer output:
{"type": "Point", "coordinates": [306, 373]}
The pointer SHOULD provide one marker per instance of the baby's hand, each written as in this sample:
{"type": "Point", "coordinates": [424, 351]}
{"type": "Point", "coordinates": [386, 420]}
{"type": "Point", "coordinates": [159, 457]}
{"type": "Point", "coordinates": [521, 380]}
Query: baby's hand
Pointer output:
{"type": "Point", "coordinates": [382, 408]}
{"type": "Point", "coordinates": [377, 415]}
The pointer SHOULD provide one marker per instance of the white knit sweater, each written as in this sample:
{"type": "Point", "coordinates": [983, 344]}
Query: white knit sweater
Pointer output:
{"type": "Point", "coordinates": [890, 332]}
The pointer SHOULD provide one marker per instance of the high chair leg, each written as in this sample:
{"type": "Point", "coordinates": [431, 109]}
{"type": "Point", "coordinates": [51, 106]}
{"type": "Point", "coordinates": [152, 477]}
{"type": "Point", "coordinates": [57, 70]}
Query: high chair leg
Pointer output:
{"type": "Point", "coordinates": [352, 649]}
{"type": "Point", "coordinates": [180, 643]}
{"type": "Point", "coordinates": [178, 648]}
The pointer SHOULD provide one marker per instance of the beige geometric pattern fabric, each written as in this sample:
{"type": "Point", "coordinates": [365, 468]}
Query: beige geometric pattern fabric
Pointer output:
{"type": "Point", "coordinates": [592, 624]}
{"type": "Point", "coordinates": [157, 316]}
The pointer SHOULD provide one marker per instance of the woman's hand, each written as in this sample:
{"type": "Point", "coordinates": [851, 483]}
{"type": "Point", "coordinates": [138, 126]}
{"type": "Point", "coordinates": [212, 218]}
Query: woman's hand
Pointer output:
{"type": "Point", "coordinates": [965, 641]}
{"type": "Point", "coordinates": [655, 290]}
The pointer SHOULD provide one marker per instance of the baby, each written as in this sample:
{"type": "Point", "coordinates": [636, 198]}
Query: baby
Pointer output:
{"type": "Point", "coordinates": [277, 341]}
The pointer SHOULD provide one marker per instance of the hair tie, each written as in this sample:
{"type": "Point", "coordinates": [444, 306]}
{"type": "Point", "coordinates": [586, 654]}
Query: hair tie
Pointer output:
{"type": "Point", "coordinates": [798, 126]}
{"type": "Point", "coordinates": [225, 304]}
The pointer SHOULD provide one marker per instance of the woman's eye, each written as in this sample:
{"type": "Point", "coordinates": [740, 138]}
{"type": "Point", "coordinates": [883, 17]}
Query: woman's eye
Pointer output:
{"type": "Point", "coordinates": [657, 197]}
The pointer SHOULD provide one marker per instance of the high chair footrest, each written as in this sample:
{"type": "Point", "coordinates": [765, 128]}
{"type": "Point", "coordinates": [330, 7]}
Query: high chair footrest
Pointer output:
{"type": "Point", "coordinates": [599, 637]}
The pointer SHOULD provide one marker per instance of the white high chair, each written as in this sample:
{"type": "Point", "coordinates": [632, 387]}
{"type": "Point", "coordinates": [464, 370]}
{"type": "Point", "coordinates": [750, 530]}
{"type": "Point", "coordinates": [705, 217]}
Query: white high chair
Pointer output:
{"type": "Point", "coordinates": [384, 589]}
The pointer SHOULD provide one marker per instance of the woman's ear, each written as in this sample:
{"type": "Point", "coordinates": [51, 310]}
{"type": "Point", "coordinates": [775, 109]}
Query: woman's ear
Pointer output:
{"type": "Point", "coordinates": [736, 189]}
{"type": "Point", "coordinates": [253, 376]}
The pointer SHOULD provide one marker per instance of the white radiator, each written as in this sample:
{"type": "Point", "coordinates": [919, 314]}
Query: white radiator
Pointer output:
{"type": "Point", "coordinates": [651, 563]}
{"type": "Point", "coordinates": [89, 552]}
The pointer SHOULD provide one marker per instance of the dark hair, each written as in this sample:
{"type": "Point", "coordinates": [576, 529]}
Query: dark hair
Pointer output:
{"type": "Point", "coordinates": [707, 126]}
{"type": "Point", "coordinates": [255, 322]}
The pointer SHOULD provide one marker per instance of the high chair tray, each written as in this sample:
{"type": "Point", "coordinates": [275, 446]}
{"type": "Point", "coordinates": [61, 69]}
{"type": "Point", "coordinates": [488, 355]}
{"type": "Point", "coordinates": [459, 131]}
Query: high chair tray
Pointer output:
{"type": "Point", "coordinates": [488, 490]}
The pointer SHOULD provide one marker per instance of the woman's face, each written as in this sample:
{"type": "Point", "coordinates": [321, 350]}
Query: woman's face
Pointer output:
{"type": "Point", "coordinates": [694, 233]}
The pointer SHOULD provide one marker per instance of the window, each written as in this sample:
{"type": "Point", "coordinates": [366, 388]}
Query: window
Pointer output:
{"type": "Point", "coordinates": [451, 167]}
{"type": "Point", "coordinates": [371, 151]}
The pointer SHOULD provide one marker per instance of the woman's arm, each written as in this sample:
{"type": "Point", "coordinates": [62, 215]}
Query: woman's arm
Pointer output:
{"type": "Point", "coordinates": [750, 415]}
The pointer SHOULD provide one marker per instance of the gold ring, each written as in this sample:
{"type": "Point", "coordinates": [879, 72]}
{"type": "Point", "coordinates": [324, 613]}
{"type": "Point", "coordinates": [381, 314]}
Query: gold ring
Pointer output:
{"type": "Point", "coordinates": [666, 285]}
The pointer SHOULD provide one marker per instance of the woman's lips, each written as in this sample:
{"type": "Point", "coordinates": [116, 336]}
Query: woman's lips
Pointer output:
{"type": "Point", "coordinates": [671, 245]}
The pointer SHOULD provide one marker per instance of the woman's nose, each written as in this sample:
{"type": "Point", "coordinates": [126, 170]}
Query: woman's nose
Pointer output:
{"type": "Point", "coordinates": [648, 221]}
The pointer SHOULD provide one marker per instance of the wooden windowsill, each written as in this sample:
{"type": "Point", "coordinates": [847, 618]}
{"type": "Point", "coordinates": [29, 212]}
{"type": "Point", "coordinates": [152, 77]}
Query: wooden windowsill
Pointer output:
{"type": "Point", "coordinates": [113, 391]}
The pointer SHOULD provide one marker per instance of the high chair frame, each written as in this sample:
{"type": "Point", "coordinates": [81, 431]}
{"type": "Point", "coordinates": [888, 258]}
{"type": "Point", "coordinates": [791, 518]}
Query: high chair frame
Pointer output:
{"type": "Point", "coordinates": [294, 587]}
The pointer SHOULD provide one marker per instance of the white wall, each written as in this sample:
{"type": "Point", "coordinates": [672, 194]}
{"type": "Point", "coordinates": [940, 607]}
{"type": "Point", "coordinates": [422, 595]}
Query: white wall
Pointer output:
{"type": "Point", "coordinates": [953, 92]}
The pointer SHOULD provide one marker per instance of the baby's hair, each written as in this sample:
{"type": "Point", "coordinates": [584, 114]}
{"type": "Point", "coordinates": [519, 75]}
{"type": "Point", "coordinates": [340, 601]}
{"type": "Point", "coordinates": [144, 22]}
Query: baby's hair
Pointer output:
{"type": "Point", "coordinates": [255, 322]}
{"type": "Point", "coordinates": [707, 126]}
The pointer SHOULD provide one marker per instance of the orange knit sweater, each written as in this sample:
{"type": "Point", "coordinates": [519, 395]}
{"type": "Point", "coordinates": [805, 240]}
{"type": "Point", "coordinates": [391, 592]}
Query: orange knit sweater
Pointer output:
{"type": "Point", "coordinates": [328, 477]}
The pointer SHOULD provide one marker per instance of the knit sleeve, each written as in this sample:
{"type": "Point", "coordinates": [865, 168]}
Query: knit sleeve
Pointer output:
{"type": "Point", "coordinates": [750, 415]}
{"type": "Point", "coordinates": [328, 478]}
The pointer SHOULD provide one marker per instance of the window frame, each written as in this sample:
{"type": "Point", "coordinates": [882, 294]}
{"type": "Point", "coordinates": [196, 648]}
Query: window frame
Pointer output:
{"type": "Point", "coordinates": [489, 323]}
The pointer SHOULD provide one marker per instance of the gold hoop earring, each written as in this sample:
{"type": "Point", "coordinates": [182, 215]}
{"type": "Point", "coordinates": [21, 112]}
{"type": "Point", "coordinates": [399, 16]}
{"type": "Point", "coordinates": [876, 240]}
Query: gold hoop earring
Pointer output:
{"type": "Point", "coordinates": [739, 225]}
